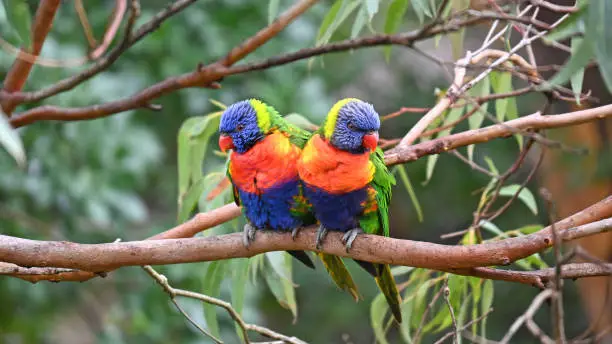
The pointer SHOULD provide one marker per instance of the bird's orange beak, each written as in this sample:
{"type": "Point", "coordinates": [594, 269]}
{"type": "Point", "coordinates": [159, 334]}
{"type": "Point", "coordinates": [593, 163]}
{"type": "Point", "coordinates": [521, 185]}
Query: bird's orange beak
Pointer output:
{"type": "Point", "coordinates": [225, 142]}
{"type": "Point", "coordinates": [370, 141]}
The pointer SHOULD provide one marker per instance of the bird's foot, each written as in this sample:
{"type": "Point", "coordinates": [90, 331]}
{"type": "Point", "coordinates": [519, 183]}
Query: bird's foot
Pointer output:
{"type": "Point", "coordinates": [349, 237]}
{"type": "Point", "coordinates": [295, 231]}
{"type": "Point", "coordinates": [248, 234]}
{"type": "Point", "coordinates": [321, 233]}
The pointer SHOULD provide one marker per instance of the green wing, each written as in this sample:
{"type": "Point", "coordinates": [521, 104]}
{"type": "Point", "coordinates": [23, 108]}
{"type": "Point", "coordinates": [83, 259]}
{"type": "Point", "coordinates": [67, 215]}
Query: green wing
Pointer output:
{"type": "Point", "coordinates": [377, 221]}
{"type": "Point", "coordinates": [297, 135]}
{"type": "Point", "coordinates": [234, 190]}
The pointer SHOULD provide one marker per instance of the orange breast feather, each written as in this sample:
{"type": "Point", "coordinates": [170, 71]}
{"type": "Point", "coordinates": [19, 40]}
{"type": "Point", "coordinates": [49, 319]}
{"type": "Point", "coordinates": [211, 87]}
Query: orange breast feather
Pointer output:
{"type": "Point", "coordinates": [269, 162]}
{"type": "Point", "coordinates": [334, 170]}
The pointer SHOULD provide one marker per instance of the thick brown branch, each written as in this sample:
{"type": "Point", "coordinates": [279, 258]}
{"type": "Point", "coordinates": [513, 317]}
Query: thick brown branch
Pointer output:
{"type": "Point", "coordinates": [18, 74]}
{"type": "Point", "coordinates": [102, 257]}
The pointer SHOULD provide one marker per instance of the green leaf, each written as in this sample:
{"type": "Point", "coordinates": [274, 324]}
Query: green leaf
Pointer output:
{"type": "Point", "coordinates": [578, 77]}
{"type": "Point", "coordinates": [395, 14]}
{"type": "Point", "coordinates": [491, 165]}
{"type": "Point", "coordinates": [378, 309]}
{"type": "Point", "coordinates": [529, 229]}
{"type": "Point", "coordinates": [573, 24]}
{"type": "Point", "coordinates": [329, 19]}
{"type": "Point", "coordinates": [18, 15]}
{"type": "Point", "coordinates": [193, 139]}
{"type": "Point", "coordinates": [300, 121]}
{"type": "Point", "coordinates": [282, 287]}
{"type": "Point", "coordinates": [345, 10]}
{"type": "Point", "coordinates": [212, 287]}
{"type": "Point", "coordinates": [502, 83]}
{"type": "Point", "coordinates": [371, 7]}
{"type": "Point", "coordinates": [453, 115]}
{"type": "Point", "coordinates": [272, 10]}
{"type": "Point", "coordinates": [10, 140]}
{"type": "Point", "coordinates": [401, 270]}
{"type": "Point", "coordinates": [189, 199]}
{"type": "Point", "coordinates": [491, 227]}
{"type": "Point", "coordinates": [487, 302]}
{"type": "Point", "coordinates": [240, 270]}
{"type": "Point", "coordinates": [359, 23]}
{"type": "Point", "coordinates": [481, 89]}
{"type": "Point", "coordinates": [277, 262]}
{"type": "Point", "coordinates": [577, 61]}
{"type": "Point", "coordinates": [422, 9]}
{"type": "Point", "coordinates": [525, 196]}
{"type": "Point", "coordinates": [218, 104]}
{"type": "Point", "coordinates": [600, 34]}
{"type": "Point", "coordinates": [408, 185]}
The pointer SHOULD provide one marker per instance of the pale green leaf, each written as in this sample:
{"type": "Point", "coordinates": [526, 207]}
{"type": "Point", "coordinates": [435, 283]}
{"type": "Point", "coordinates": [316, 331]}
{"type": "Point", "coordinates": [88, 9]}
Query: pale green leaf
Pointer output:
{"type": "Point", "coordinates": [10, 140]}
{"type": "Point", "coordinates": [359, 23]}
{"type": "Point", "coordinates": [190, 198]}
{"type": "Point", "coordinates": [422, 9]}
{"type": "Point", "coordinates": [212, 287]}
{"type": "Point", "coordinates": [491, 164]}
{"type": "Point", "coordinates": [502, 83]}
{"type": "Point", "coordinates": [408, 185]}
{"type": "Point", "coordinates": [281, 287]}
{"type": "Point", "coordinates": [272, 10]}
{"type": "Point", "coordinates": [453, 115]}
{"type": "Point", "coordinates": [300, 121]}
{"type": "Point", "coordinates": [371, 7]}
{"type": "Point", "coordinates": [584, 52]}
{"type": "Point", "coordinates": [487, 302]}
{"type": "Point", "coordinates": [524, 195]}
{"type": "Point", "coordinates": [240, 269]}
{"type": "Point", "coordinates": [347, 7]}
{"type": "Point", "coordinates": [481, 89]}
{"type": "Point", "coordinates": [578, 77]}
{"type": "Point", "coordinates": [218, 104]}
{"type": "Point", "coordinates": [378, 309]}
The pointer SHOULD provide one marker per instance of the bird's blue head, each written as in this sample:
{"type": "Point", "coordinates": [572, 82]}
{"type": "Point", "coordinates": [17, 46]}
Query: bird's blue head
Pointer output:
{"type": "Point", "coordinates": [243, 124]}
{"type": "Point", "coordinates": [352, 125]}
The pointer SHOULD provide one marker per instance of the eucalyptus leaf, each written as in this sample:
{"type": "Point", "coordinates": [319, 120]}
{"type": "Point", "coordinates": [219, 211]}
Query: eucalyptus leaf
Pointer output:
{"type": "Point", "coordinates": [524, 195]}
{"type": "Point", "coordinates": [378, 309]}
{"type": "Point", "coordinates": [212, 287]}
{"type": "Point", "coordinates": [395, 14]}
{"type": "Point", "coordinates": [272, 10]}
{"type": "Point", "coordinates": [10, 140]}
{"type": "Point", "coordinates": [600, 34]}
{"type": "Point", "coordinates": [408, 185]}
{"type": "Point", "coordinates": [20, 18]}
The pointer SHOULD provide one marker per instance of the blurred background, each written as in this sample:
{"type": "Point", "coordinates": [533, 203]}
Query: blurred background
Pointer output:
{"type": "Point", "coordinates": [95, 181]}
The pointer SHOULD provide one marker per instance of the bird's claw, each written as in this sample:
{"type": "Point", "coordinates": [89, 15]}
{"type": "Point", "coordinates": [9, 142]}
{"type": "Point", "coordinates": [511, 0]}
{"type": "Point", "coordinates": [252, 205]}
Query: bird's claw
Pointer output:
{"type": "Point", "coordinates": [248, 234]}
{"type": "Point", "coordinates": [294, 232]}
{"type": "Point", "coordinates": [349, 237]}
{"type": "Point", "coordinates": [321, 233]}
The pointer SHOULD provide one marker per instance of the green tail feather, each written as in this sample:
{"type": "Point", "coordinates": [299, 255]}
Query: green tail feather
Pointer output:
{"type": "Point", "coordinates": [338, 272]}
{"type": "Point", "coordinates": [386, 284]}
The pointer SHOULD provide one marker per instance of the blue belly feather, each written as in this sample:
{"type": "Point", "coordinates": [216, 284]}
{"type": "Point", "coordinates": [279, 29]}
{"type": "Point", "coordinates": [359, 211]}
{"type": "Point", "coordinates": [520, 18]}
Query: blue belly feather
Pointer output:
{"type": "Point", "coordinates": [337, 212]}
{"type": "Point", "coordinates": [271, 208]}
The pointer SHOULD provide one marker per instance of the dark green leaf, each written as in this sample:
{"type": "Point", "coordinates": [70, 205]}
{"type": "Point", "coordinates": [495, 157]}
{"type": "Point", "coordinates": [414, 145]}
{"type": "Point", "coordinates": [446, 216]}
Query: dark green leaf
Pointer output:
{"type": "Point", "coordinates": [10, 140]}
{"type": "Point", "coordinates": [578, 77]}
{"type": "Point", "coordinates": [600, 34]}
{"type": "Point", "coordinates": [212, 287]}
{"type": "Point", "coordinates": [18, 14]}
{"type": "Point", "coordinates": [395, 14]}
{"type": "Point", "coordinates": [408, 185]}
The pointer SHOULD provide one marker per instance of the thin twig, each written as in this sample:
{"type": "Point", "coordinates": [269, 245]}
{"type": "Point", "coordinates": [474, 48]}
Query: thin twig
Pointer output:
{"type": "Point", "coordinates": [417, 336]}
{"type": "Point", "coordinates": [173, 292]}
{"type": "Point", "coordinates": [467, 325]}
{"type": "Point", "coordinates": [450, 309]}
{"type": "Point", "coordinates": [533, 308]}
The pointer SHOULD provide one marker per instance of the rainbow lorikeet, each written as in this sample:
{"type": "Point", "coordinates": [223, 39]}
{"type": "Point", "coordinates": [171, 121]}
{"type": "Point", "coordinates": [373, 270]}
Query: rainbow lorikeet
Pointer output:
{"type": "Point", "coordinates": [346, 181]}
{"type": "Point", "coordinates": [263, 171]}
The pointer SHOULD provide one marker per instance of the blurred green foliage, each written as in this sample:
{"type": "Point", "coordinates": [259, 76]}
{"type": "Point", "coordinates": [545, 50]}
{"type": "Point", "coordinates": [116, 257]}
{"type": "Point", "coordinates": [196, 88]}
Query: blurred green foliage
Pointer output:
{"type": "Point", "coordinates": [119, 177]}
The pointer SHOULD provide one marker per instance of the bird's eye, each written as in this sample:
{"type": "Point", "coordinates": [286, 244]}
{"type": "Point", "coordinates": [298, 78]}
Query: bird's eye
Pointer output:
{"type": "Point", "coordinates": [239, 127]}
{"type": "Point", "coordinates": [351, 126]}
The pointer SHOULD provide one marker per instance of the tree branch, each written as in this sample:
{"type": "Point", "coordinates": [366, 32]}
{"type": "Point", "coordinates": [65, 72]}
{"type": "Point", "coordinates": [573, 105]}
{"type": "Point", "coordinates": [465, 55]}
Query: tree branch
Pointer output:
{"type": "Point", "coordinates": [18, 74]}
{"type": "Point", "coordinates": [378, 249]}
{"type": "Point", "coordinates": [401, 153]}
